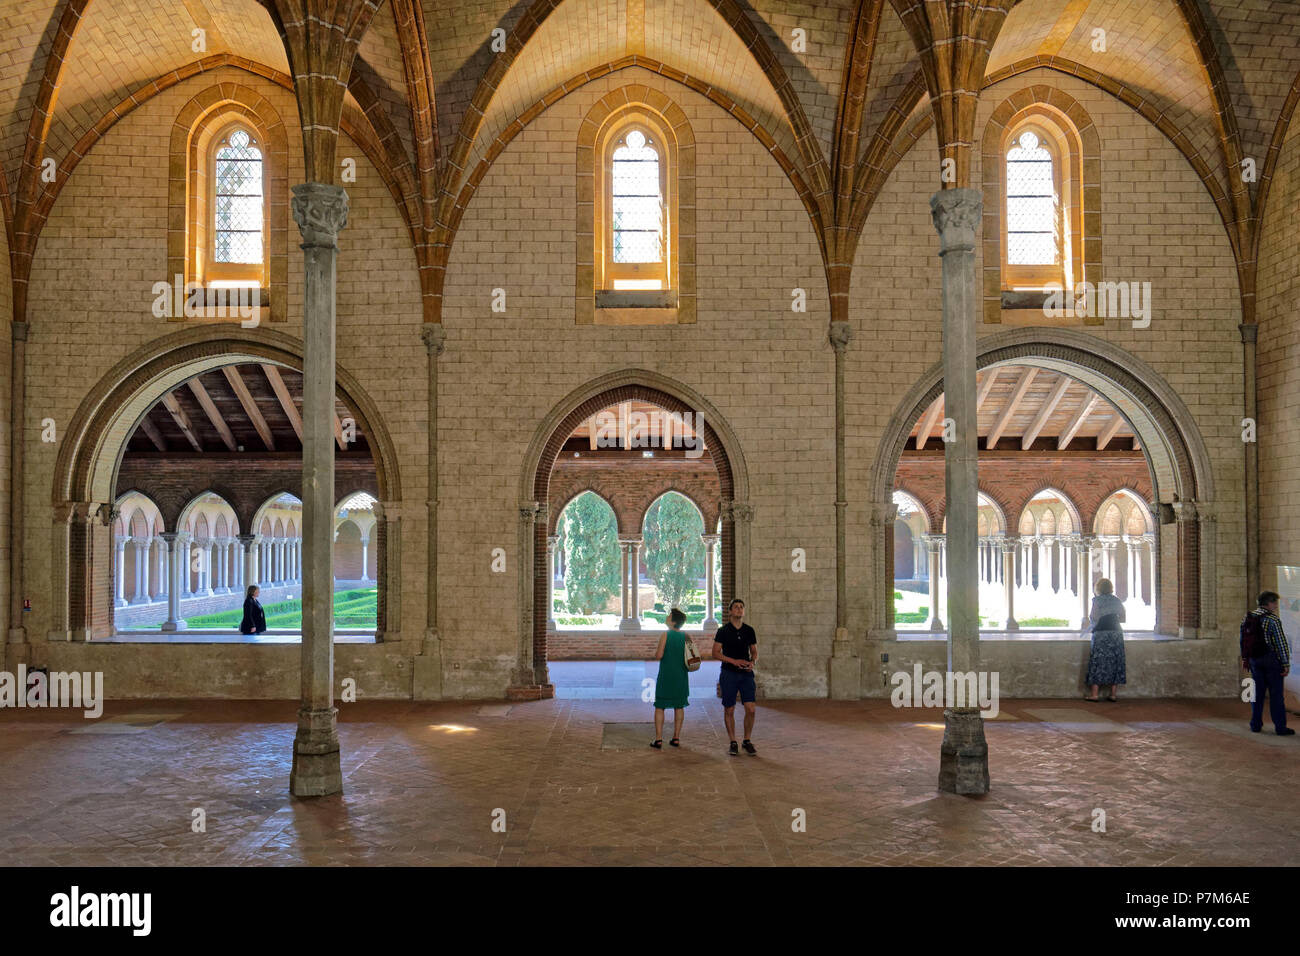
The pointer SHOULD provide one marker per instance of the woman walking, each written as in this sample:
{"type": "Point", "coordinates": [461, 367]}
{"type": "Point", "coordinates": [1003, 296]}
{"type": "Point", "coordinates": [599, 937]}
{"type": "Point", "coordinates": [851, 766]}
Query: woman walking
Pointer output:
{"type": "Point", "coordinates": [1106, 662]}
{"type": "Point", "coordinates": [254, 621]}
{"type": "Point", "coordinates": [672, 685]}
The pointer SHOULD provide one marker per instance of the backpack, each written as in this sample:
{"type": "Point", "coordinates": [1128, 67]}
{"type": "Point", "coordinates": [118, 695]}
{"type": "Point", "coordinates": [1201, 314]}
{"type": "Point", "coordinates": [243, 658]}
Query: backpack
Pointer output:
{"type": "Point", "coordinates": [1253, 645]}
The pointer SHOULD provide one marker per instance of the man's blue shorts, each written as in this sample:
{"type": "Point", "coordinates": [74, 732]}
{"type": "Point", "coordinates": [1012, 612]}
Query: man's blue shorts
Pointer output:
{"type": "Point", "coordinates": [733, 681]}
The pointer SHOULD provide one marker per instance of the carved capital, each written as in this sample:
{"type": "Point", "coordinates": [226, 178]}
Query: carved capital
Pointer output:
{"type": "Point", "coordinates": [320, 210]}
{"type": "Point", "coordinates": [737, 511]}
{"type": "Point", "coordinates": [434, 337]}
{"type": "Point", "coordinates": [19, 330]}
{"type": "Point", "coordinates": [1249, 332]}
{"type": "Point", "coordinates": [841, 334]}
{"type": "Point", "coordinates": [956, 214]}
{"type": "Point", "coordinates": [528, 511]}
{"type": "Point", "coordinates": [1185, 510]}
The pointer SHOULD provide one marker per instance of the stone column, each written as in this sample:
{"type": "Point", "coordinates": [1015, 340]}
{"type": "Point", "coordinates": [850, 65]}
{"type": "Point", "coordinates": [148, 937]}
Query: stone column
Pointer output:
{"type": "Point", "coordinates": [1249, 334]}
{"type": "Point", "coordinates": [119, 557]}
{"type": "Point", "coordinates": [551, 541]}
{"type": "Point", "coordinates": [320, 210]}
{"type": "Point", "coordinates": [710, 545]}
{"type": "Point", "coordinates": [934, 543]}
{"type": "Point", "coordinates": [428, 665]}
{"type": "Point", "coordinates": [1009, 545]}
{"type": "Point", "coordinates": [365, 557]}
{"type": "Point", "coordinates": [1086, 546]}
{"type": "Point", "coordinates": [845, 670]}
{"type": "Point", "coordinates": [524, 683]}
{"type": "Point", "coordinates": [1189, 568]}
{"type": "Point", "coordinates": [631, 585]}
{"type": "Point", "coordinates": [161, 567]}
{"type": "Point", "coordinates": [17, 637]}
{"type": "Point", "coordinates": [141, 595]}
{"type": "Point", "coordinates": [963, 756]}
{"type": "Point", "coordinates": [249, 544]}
{"type": "Point", "coordinates": [919, 570]}
{"type": "Point", "coordinates": [176, 552]}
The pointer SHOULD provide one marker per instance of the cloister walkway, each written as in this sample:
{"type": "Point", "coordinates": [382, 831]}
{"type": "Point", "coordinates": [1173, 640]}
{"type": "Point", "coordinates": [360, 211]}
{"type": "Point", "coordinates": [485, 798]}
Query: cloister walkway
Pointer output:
{"type": "Point", "coordinates": [1181, 782]}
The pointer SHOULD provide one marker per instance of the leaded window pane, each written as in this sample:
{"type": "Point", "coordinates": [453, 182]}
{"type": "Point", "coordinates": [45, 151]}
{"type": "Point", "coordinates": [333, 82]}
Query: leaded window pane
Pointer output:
{"type": "Point", "coordinates": [238, 214]}
{"type": "Point", "coordinates": [638, 204]}
{"type": "Point", "coordinates": [1031, 204]}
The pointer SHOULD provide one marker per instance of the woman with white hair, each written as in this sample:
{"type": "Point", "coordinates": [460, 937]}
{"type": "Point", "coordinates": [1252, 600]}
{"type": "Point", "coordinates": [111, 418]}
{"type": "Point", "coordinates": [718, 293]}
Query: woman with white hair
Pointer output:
{"type": "Point", "coordinates": [1106, 662]}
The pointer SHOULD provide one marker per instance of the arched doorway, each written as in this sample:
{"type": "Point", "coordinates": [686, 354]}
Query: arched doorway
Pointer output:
{"type": "Point", "coordinates": [694, 416]}
{"type": "Point", "coordinates": [1161, 426]}
{"type": "Point", "coordinates": [90, 465]}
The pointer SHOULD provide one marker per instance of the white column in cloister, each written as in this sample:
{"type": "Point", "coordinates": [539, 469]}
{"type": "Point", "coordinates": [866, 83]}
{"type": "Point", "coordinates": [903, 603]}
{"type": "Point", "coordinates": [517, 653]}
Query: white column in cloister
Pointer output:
{"type": "Point", "coordinates": [551, 541]}
{"type": "Point", "coordinates": [175, 561]}
{"type": "Point", "coordinates": [1086, 546]}
{"type": "Point", "coordinates": [365, 555]}
{"type": "Point", "coordinates": [119, 586]}
{"type": "Point", "coordinates": [934, 545]}
{"type": "Point", "coordinates": [138, 595]}
{"type": "Point", "coordinates": [1009, 545]}
{"type": "Point", "coordinates": [710, 545]}
{"type": "Point", "coordinates": [629, 621]}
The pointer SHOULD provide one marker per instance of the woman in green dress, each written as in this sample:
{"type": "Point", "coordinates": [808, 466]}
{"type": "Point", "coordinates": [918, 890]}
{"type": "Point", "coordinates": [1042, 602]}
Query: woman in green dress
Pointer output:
{"type": "Point", "coordinates": [671, 687]}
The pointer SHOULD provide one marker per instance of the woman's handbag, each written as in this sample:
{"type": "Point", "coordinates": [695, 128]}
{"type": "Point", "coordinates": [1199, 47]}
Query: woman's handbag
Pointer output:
{"type": "Point", "coordinates": [688, 652]}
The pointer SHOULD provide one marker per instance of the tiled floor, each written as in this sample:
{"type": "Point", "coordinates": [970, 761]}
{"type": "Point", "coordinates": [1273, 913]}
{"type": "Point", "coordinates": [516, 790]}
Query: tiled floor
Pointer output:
{"type": "Point", "coordinates": [1181, 782]}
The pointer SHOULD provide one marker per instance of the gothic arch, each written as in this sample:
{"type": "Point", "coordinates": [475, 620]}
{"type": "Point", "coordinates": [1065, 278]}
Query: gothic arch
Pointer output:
{"type": "Point", "coordinates": [531, 676]}
{"type": "Point", "coordinates": [1182, 479]}
{"type": "Point", "coordinates": [86, 468]}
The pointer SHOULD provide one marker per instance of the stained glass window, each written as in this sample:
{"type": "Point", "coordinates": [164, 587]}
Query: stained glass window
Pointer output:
{"type": "Point", "coordinates": [1031, 204]}
{"type": "Point", "coordinates": [237, 237]}
{"type": "Point", "coordinates": [638, 202]}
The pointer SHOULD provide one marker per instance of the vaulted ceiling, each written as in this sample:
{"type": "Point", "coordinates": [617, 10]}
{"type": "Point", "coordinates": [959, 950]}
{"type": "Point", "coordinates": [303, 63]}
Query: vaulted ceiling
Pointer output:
{"type": "Point", "coordinates": [430, 94]}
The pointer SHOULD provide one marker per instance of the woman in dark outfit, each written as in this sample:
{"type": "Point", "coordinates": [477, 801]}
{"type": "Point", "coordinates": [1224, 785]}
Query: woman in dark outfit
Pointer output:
{"type": "Point", "coordinates": [254, 621]}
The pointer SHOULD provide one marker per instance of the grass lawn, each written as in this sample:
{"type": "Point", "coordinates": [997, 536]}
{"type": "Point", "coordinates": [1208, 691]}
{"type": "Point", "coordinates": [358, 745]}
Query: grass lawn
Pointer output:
{"type": "Point", "coordinates": [356, 608]}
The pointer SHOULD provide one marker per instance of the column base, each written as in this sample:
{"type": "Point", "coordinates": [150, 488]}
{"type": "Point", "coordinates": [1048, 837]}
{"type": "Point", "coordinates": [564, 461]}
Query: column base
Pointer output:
{"type": "Point", "coordinates": [936, 624]}
{"type": "Point", "coordinates": [1011, 625]}
{"type": "Point", "coordinates": [964, 753]}
{"type": "Point", "coordinates": [710, 624]}
{"type": "Point", "coordinates": [316, 766]}
{"type": "Point", "coordinates": [629, 624]}
{"type": "Point", "coordinates": [171, 627]}
{"type": "Point", "coordinates": [17, 635]}
{"type": "Point", "coordinates": [15, 654]}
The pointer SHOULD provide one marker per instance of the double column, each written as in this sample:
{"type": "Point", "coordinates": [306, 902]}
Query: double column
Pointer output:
{"type": "Point", "coordinates": [710, 611]}
{"type": "Point", "coordinates": [320, 210]}
{"type": "Point", "coordinates": [428, 664]}
{"type": "Point", "coordinates": [175, 561]}
{"type": "Point", "coordinates": [631, 588]}
{"type": "Point", "coordinates": [1008, 545]}
{"type": "Point", "coordinates": [934, 546]}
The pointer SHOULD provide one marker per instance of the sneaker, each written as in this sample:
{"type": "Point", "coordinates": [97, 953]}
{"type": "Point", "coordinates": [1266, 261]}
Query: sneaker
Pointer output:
{"type": "Point", "coordinates": [1285, 732]}
{"type": "Point", "coordinates": [749, 748]}
{"type": "Point", "coordinates": [734, 751]}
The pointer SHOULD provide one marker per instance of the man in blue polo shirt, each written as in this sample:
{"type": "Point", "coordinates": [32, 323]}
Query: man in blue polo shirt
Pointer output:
{"type": "Point", "coordinates": [736, 646]}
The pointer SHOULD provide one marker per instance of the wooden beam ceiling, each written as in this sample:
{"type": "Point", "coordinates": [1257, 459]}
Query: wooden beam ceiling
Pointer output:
{"type": "Point", "coordinates": [214, 415]}
{"type": "Point", "coordinates": [240, 388]}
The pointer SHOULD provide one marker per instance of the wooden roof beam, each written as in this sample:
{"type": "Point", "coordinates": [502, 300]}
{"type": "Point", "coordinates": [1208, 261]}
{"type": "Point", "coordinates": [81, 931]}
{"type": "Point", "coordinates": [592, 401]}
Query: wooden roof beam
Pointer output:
{"type": "Point", "coordinates": [254, 413]}
{"type": "Point", "coordinates": [1026, 380]}
{"type": "Point", "coordinates": [181, 419]}
{"type": "Point", "coordinates": [338, 433]}
{"type": "Point", "coordinates": [927, 422]}
{"type": "Point", "coordinates": [1109, 431]}
{"type": "Point", "coordinates": [986, 386]}
{"type": "Point", "coordinates": [286, 400]}
{"type": "Point", "coordinates": [213, 413]}
{"type": "Point", "coordinates": [155, 436]}
{"type": "Point", "coordinates": [1044, 413]}
{"type": "Point", "coordinates": [1077, 421]}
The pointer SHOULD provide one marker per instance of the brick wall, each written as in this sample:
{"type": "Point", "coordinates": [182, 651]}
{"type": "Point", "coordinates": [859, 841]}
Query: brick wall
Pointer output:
{"type": "Point", "coordinates": [1279, 369]}
{"type": "Point", "coordinates": [1011, 482]}
{"type": "Point", "coordinates": [246, 482]}
{"type": "Point", "coordinates": [632, 486]}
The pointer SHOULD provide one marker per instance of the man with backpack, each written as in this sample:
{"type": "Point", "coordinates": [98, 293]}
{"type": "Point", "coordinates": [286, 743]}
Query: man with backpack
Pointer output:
{"type": "Point", "coordinates": [1267, 655]}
